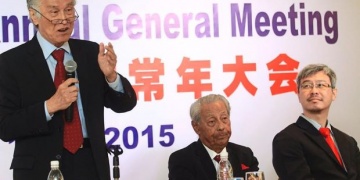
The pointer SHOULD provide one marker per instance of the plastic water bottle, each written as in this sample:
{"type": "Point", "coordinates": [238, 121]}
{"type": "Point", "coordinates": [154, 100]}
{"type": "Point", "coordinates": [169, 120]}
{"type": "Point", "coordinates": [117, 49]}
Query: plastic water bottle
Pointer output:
{"type": "Point", "coordinates": [225, 171]}
{"type": "Point", "coordinates": [55, 173]}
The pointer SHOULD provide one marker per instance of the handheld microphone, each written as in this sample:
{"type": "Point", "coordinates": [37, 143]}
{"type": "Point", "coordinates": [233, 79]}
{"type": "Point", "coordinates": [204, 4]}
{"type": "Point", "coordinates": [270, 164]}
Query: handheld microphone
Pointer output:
{"type": "Point", "coordinates": [70, 68]}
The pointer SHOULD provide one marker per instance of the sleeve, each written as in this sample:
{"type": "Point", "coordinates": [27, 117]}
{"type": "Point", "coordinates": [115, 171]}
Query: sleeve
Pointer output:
{"type": "Point", "coordinates": [116, 85]}
{"type": "Point", "coordinates": [288, 158]}
{"type": "Point", "coordinates": [254, 163]}
{"type": "Point", "coordinates": [19, 116]}
{"type": "Point", "coordinates": [356, 155]}
{"type": "Point", "coordinates": [121, 101]}
{"type": "Point", "coordinates": [179, 168]}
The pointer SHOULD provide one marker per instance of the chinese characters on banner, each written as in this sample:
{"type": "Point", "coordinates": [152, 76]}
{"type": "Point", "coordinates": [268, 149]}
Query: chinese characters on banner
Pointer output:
{"type": "Point", "coordinates": [282, 71]}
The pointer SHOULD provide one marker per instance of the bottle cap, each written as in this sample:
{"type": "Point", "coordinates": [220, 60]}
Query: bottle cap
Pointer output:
{"type": "Point", "coordinates": [224, 155]}
{"type": "Point", "coordinates": [54, 163]}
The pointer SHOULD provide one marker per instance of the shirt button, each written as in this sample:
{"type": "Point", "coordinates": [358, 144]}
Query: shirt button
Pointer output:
{"type": "Point", "coordinates": [58, 156]}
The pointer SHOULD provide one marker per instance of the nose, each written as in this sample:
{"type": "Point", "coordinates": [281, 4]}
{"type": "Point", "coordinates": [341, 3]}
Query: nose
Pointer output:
{"type": "Point", "coordinates": [65, 21]}
{"type": "Point", "coordinates": [63, 17]}
{"type": "Point", "coordinates": [314, 90]}
{"type": "Point", "coordinates": [221, 126]}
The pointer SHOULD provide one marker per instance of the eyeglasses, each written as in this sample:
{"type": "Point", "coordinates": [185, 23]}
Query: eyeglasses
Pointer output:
{"type": "Point", "coordinates": [59, 21]}
{"type": "Point", "coordinates": [318, 85]}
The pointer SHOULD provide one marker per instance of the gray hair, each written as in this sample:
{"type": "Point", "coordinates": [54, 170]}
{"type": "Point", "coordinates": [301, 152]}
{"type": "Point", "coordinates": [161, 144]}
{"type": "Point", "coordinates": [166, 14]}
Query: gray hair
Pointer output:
{"type": "Point", "coordinates": [195, 108]}
{"type": "Point", "coordinates": [36, 3]}
{"type": "Point", "coordinates": [33, 3]}
{"type": "Point", "coordinates": [312, 69]}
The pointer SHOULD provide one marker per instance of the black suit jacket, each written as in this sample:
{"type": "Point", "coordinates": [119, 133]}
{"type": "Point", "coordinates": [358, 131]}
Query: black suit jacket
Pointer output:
{"type": "Point", "coordinates": [194, 163]}
{"type": "Point", "coordinates": [26, 83]}
{"type": "Point", "coordinates": [301, 153]}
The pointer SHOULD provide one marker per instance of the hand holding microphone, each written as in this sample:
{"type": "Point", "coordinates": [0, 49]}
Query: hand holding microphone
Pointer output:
{"type": "Point", "coordinates": [70, 68]}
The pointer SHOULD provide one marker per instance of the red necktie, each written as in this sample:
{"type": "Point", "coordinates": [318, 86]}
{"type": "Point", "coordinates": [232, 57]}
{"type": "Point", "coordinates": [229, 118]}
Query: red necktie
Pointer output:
{"type": "Point", "coordinates": [73, 138]}
{"type": "Point", "coordinates": [217, 158]}
{"type": "Point", "coordinates": [325, 132]}
{"type": "Point", "coordinates": [60, 68]}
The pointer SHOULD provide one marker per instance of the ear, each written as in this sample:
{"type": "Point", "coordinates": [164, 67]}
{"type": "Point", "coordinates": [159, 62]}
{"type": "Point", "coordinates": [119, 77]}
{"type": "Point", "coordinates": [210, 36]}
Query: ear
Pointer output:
{"type": "Point", "coordinates": [334, 94]}
{"type": "Point", "coordinates": [34, 18]}
{"type": "Point", "coordinates": [195, 126]}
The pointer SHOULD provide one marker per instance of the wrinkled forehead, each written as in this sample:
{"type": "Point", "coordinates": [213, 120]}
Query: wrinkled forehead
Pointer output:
{"type": "Point", "coordinates": [56, 3]}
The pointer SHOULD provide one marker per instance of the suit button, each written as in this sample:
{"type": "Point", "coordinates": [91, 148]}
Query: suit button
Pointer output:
{"type": "Point", "coordinates": [58, 156]}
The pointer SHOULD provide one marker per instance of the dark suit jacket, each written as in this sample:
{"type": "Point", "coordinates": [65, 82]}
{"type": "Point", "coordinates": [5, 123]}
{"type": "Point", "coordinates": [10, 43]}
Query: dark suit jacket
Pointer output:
{"type": "Point", "coordinates": [194, 163]}
{"type": "Point", "coordinates": [301, 153]}
{"type": "Point", "coordinates": [26, 83]}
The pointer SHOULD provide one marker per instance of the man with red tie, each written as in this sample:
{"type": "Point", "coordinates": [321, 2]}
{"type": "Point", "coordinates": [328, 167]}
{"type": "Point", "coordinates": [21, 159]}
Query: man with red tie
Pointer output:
{"type": "Point", "coordinates": [311, 148]}
{"type": "Point", "coordinates": [34, 94]}
{"type": "Point", "coordinates": [210, 119]}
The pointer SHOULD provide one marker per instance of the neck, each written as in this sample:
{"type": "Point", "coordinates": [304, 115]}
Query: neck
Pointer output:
{"type": "Point", "coordinates": [320, 118]}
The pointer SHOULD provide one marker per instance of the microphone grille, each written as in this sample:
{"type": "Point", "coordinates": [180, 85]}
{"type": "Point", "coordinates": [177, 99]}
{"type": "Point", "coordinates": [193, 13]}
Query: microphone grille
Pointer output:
{"type": "Point", "coordinates": [70, 66]}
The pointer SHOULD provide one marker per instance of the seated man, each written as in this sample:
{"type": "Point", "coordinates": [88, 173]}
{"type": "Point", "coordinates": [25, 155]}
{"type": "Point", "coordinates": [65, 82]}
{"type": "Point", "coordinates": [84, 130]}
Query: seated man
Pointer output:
{"type": "Point", "coordinates": [210, 119]}
{"type": "Point", "coordinates": [311, 148]}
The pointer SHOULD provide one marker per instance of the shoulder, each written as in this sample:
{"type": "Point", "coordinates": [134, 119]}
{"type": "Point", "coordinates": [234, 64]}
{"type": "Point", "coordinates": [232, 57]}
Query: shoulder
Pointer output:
{"type": "Point", "coordinates": [190, 149]}
{"type": "Point", "coordinates": [80, 48]}
{"type": "Point", "coordinates": [83, 43]}
{"type": "Point", "coordinates": [291, 130]}
{"type": "Point", "coordinates": [193, 151]}
{"type": "Point", "coordinates": [238, 147]}
{"type": "Point", "coordinates": [15, 50]}
{"type": "Point", "coordinates": [340, 134]}
{"type": "Point", "coordinates": [11, 58]}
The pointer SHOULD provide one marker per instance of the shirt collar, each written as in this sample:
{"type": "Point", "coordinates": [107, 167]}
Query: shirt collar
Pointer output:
{"type": "Point", "coordinates": [48, 48]}
{"type": "Point", "coordinates": [316, 124]}
{"type": "Point", "coordinates": [213, 153]}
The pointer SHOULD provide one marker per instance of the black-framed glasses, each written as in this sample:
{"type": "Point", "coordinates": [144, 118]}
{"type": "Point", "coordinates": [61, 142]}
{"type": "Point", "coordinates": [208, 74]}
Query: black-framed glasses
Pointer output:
{"type": "Point", "coordinates": [318, 85]}
{"type": "Point", "coordinates": [60, 21]}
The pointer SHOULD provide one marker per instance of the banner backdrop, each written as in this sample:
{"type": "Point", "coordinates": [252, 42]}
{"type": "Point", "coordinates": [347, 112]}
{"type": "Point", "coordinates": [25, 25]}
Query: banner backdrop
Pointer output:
{"type": "Point", "coordinates": [175, 52]}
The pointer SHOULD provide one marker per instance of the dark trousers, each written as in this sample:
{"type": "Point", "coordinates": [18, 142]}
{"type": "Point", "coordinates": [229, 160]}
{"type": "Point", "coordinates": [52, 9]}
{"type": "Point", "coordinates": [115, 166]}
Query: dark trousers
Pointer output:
{"type": "Point", "coordinates": [79, 166]}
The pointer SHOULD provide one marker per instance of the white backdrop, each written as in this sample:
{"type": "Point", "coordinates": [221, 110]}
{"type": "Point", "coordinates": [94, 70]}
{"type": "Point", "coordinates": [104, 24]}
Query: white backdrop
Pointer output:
{"type": "Point", "coordinates": [199, 47]}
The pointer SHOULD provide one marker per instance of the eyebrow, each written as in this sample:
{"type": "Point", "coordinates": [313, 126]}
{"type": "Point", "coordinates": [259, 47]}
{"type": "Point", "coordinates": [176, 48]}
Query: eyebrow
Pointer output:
{"type": "Point", "coordinates": [56, 7]}
{"type": "Point", "coordinates": [315, 81]}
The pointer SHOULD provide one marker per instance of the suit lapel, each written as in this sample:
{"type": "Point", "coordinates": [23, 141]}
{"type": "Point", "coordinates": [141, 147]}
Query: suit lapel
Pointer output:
{"type": "Point", "coordinates": [80, 57]}
{"type": "Point", "coordinates": [315, 136]}
{"type": "Point", "coordinates": [234, 160]}
{"type": "Point", "coordinates": [343, 146]}
{"type": "Point", "coordinates": [206, 162]}
{"type": "Point", "coordinates": [37, 64]}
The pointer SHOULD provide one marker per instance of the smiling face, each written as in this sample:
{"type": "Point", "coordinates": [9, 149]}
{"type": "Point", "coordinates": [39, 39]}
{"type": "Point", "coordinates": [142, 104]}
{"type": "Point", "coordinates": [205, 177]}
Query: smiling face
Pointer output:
{"type": "Point", "coordinates": [316, 100]}
{"type": "Point", "coordinates": [214, 128]}
{"type": "Point", "coordinates": [56, 34]}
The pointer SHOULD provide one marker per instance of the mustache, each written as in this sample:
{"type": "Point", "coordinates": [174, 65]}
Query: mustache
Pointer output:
{"type": "Point", "coordinates": [223, 134]}
{"type": "Point", "coordinates": [314, 97]}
